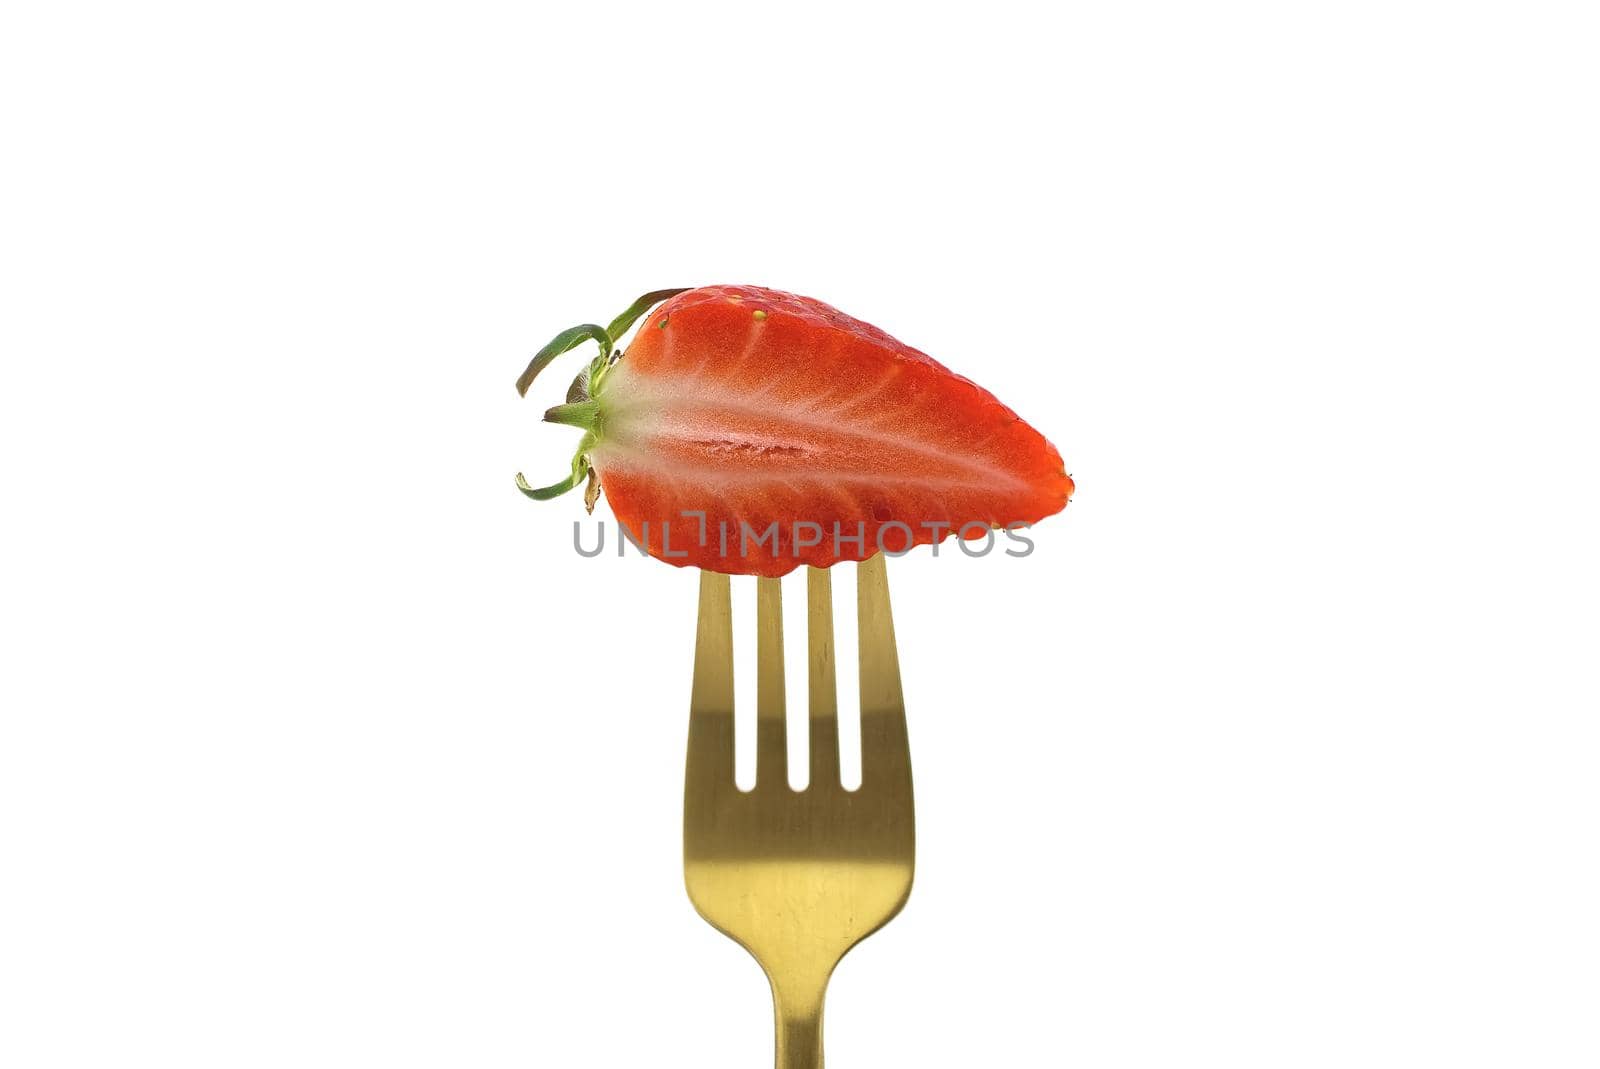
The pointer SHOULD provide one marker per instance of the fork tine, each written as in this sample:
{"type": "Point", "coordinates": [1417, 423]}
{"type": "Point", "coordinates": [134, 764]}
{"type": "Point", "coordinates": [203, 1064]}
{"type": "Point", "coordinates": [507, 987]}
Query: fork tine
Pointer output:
{"type": "Point", "coordinates": [772, 768]}
{"type": "Point", "coordinates": [710, 757]}
{"type": "Point", "coordinates": [885, 753]}
{"type": "Point", "coordinates": [824, 694]}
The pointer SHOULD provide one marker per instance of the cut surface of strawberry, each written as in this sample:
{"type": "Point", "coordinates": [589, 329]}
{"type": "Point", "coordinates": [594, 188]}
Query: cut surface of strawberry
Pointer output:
{"type": "Point", "coordinates": [750, 431]}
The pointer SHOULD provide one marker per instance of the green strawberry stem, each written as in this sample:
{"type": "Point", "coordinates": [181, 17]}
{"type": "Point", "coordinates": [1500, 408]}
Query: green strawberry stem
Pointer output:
{"type": "Point", "coordinates": [584, 414]}
{"type": "Point", "coordinates": [580, 410]}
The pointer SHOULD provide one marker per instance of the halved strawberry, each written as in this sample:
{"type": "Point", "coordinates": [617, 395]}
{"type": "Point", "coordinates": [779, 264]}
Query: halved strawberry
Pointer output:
{"type": "Point", "coordinates": [750, 431]}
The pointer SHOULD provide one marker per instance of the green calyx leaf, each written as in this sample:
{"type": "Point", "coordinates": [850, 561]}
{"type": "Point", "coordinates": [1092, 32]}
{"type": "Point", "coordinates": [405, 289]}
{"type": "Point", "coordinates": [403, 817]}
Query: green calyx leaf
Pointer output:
{"type": "Point", "coordinates": [570, 338]}
{"type": "Point", "coordinates": [607, 336]}
{"type": "Point", "coordinates": [620, 325]}
{"type": "Point", "coordinates": [545, 493]}
{"type": "Point", "coordinates": [580, 472]}
{"type": "Point", "coordinates": [579, 390]}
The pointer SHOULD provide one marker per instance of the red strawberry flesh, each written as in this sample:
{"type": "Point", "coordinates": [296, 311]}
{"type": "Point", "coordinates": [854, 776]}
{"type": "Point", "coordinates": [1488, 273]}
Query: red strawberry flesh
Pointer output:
{"type": "Point", "coordinates": [783, 420]}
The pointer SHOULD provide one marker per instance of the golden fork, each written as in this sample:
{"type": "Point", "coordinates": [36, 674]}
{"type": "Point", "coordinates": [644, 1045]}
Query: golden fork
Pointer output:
{"type": "Point", "coordinates": [798, 877]}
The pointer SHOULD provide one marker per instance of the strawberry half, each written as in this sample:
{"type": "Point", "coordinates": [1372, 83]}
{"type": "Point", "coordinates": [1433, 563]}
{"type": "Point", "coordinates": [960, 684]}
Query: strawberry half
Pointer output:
{"type": "Point", "coordinates": [750, 431]}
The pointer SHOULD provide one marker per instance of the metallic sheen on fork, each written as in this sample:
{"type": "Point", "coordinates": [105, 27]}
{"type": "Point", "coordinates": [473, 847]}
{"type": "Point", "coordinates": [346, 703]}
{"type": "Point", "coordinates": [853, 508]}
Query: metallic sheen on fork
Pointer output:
{"type": "Point", "coordinates": [798, 877]}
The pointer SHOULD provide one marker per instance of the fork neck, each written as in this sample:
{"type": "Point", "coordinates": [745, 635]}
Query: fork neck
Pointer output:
{"type": "Point", "coordinates": [797, 1004]}
{"type": "Point", "coordinates": [800, 1042]}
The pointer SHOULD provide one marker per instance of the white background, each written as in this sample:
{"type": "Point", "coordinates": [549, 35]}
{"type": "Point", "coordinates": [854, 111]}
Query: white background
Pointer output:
{"type": "Point", "coordinates": [322, 748]}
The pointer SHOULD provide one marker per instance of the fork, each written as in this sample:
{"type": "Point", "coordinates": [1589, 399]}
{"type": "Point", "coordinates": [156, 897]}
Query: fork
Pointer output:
{"type": "Point", "coordinates": [798, 877]}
